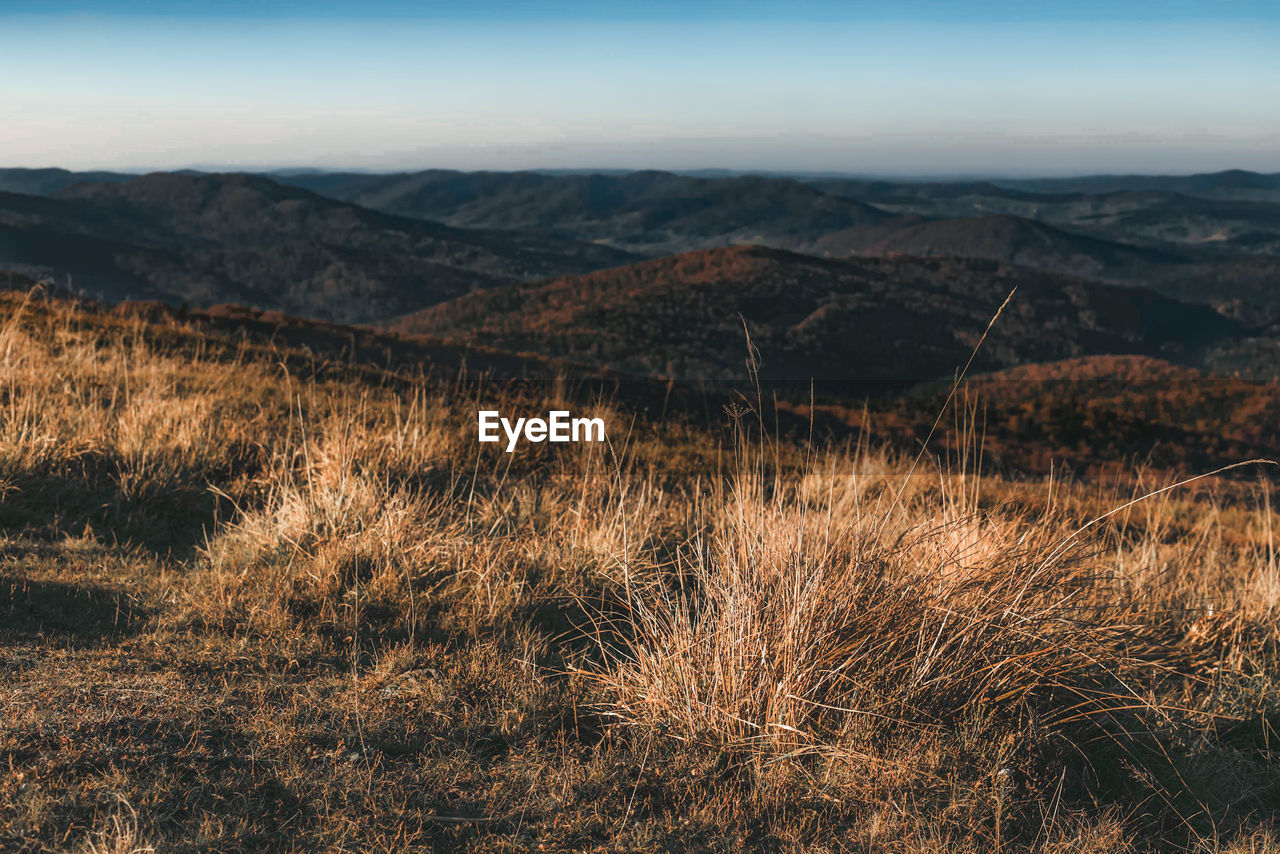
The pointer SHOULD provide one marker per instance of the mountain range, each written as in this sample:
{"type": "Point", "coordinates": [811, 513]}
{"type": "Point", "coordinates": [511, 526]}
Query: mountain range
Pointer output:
{"type": "Point", "coordinates": [1227, 184]}
{"type": "Point", "coordinates": [655, 213]}
{"type": "Point", "coordinates": [207, 239]}
{"type": "Point", "coordinates": [1167, 234]}
{"type": "Point", "coordinates": [665, 275]}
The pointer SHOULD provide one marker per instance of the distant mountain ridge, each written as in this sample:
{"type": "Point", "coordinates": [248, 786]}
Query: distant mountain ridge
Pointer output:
{"type": "Point", "coordinates": [1001, 237]}
{"type": "Point", "coordinates": [244, 238]}
{"type": "Point", "coordinates": [1148, 217]}
{"type": "Point", "coordinates": [366, 246]}
{"type": "Point", "coordinates": [651, 212]}
{"type": "Point", "coordinates": [1158, 237]}
{"type": "Point", "coordinates": [1239, 184]}
{"type": "Point", "coordinates": [44, 182]}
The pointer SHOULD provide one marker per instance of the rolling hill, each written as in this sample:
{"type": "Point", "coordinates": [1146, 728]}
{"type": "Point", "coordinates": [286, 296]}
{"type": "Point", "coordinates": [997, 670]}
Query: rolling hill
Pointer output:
{"type": "Point", "coordinates": [850, 324]}
{"type": "Point", "coordinates": [650, 212]}
{"type": "Point", "coordinates": [660, 212]}
{"type": "Point", "coordinates": [1239, 184]}
{"type": "Point", "coordinates": [1148, 217]}
{"type": "Point", "coordinates": [44, 182]}
{"type": "Point", "coordinates": [1010, 239]}
{"type": "Point", "coordinates": [1138, 236]}
{"type": "Point", "coordinates": [240, 238]}
{"type": "Point", "coordinates": [1091, 412]}
{"type": "Point", "coordinates": [365, 247]}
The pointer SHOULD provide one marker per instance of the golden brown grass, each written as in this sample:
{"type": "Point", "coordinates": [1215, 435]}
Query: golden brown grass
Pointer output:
{"type": "Point", "coordinates": [250, 608]}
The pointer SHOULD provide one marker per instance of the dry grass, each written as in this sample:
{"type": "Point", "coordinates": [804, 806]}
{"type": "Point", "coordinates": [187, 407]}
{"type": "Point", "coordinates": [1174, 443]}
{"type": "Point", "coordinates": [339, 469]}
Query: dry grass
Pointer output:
{"type": "Point", "coordinates": [251, 608]}
{"type": "Point", "coordinates": [120, 835]}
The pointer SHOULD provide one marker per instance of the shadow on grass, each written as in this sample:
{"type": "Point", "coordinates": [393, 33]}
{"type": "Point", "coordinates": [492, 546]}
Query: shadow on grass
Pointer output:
{"type": "Point", "coordinates": [54, 608]}
{"type": "Point", "coordinates": [169, 521]}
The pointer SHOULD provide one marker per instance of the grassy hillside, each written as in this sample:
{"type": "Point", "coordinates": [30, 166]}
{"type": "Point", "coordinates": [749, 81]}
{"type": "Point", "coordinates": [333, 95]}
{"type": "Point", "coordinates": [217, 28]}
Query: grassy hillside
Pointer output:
{"type": "Point", "coordinates": [247, 604]}
{"type": "Point", "coordinates": [1098, 413]}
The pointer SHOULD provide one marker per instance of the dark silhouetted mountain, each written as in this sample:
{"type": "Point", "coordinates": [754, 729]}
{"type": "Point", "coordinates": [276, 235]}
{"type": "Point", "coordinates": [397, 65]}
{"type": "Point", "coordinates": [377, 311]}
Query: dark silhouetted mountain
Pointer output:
{"type": "Point", "coordinates": [51, 240]}
{"type": "Point", "coordinates": [1130, 236]}
{"type": "Point", "coordinates": [929, 197]}
{"type": "Point", "coordinates": [315, 252]}
{"type": "Point", "coordinates": [661, 212]}
{"type": "Point", "coordinates": [1162, 218]}
{"type": "Point", "coordinates": [1252, 280]}
{"type": "Point", "coordinates": [1154, 218]}
{"type": "Point", "coordinates": [1212, 274]}
{"type": "Point", "coordinates": [1237, 184]}
{"type": "Point", "coordinates": [246, 239]}
{"type": "Point", "coordinates": [1003, 238]}
{"type": "Point", "coordinates": [845, 323]}
{"type": "Point", "coordinates": [44, 182]}
{"type": "Point", "coordinates": [650, 212]}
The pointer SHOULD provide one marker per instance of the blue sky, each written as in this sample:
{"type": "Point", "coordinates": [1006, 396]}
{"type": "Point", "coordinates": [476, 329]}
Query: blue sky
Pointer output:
{"type": "Point", "coordinates": [909, 88]}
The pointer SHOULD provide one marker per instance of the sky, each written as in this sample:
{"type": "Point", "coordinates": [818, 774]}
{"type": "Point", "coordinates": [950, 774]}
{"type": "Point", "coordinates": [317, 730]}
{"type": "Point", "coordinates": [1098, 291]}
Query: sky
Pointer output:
{"type": "Point", "coordinates": [912, 88]}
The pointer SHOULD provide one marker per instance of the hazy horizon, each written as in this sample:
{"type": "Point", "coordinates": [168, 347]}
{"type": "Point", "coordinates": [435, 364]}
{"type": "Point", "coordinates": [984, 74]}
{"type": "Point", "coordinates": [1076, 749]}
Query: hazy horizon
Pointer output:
{"type": "Point", "coordinates": [924, 90]}
{"type": "Point", "coordinates": [706, 171]}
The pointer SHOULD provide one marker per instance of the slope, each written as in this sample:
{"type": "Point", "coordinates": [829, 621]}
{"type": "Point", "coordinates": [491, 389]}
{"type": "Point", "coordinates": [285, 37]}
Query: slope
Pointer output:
{"type": "Point", "coordinates": [846, 323]}
{"type": "Point", "coordinates": [1010, 239]}
{"type": "Point", "coordinates": [218, 238]}
{"type": "Point", "coordinates": [651, 212]}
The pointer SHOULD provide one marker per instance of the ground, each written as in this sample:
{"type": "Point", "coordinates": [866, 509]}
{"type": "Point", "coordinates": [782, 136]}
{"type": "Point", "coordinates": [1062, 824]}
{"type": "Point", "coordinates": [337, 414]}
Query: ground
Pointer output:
{"type": "Point", "coordinates": [255, 598]}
